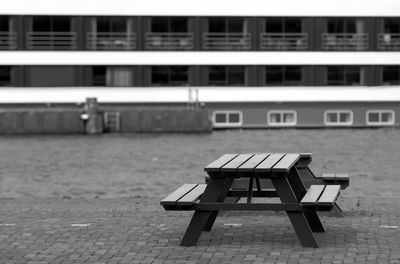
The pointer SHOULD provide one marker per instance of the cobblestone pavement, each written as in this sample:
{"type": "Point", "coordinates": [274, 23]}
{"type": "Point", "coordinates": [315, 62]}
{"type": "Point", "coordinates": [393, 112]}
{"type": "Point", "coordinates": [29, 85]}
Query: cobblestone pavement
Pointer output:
{"type": "Point", "coordinates": [138, 230]}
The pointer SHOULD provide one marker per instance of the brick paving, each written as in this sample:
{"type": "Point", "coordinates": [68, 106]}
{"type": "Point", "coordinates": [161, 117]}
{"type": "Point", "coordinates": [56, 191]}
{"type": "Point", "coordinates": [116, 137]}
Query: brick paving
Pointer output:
{"type": "Point", "coordinates": [126, 224]}
{"type": "Point", "coordinates": [138, 230]}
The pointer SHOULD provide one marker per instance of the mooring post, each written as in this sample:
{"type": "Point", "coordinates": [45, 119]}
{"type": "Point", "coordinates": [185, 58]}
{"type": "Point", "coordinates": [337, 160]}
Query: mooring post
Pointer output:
{"type": "Point", "coordinates": [93, 124]}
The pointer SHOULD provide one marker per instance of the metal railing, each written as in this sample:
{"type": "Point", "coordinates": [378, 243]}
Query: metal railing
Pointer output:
{"type": "Point", "coordinates": [8, 40]}
{"type": "Point", "coordinates": [226, 41]}
{"type": "Point", "coordinates": [389, 41]}
{"type": "Point", "coordinates": [344, 41]}
{"type": "Point", "coordinates": [283, 41]}
{"type": "Point", "coordinates": [111, 41]}
{"type": "Point", "coordinates": [169, 41]}
{"type": "Point", "coordinates": [51, 40]}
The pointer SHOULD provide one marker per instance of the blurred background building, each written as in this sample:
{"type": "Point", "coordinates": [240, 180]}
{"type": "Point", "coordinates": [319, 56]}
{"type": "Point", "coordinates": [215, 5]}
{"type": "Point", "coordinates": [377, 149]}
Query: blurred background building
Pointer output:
{"type": "Point", "coordinates": [249, 64]}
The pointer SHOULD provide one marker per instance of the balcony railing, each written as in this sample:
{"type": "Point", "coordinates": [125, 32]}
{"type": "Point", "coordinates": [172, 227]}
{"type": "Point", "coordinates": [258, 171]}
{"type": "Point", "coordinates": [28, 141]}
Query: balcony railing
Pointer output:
{"type": "Point", "coordinates": [169, 41]}
{"type": "Point", "coordinates": [111, 41]}
{"type": "Point", "coordinates": [51, 40]}
{"type": "Point", "coordinates": [227, 41]}
{"type": "Point", "coordinates": [344, 41]}
{"type": "Point", "coordinates": [389, 41]}
{"type": "Point", "coordinates": [283, 41]}
{"type": "Point", "coordinates": [8, 40]}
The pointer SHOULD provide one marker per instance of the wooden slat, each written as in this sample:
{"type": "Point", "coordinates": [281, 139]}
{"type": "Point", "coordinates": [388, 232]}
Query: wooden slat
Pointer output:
{"type": "Point", "coordinates": [306, 155]}
{"type": "Point", "coordinates": [177, 194]}
{"type": "Point", "coordinates": [193, 195]}
{"type": "Point", "coordinates": [342, 176]}
{"type": "Point", "coordinates": [286, 163]}
{"type": "Point", "coordinates": [220, 162]}
{"type": "Point", "coordinates": [269, 162]}
{"type": "Point", "coordinates": [312, 195]}
{"type": "Point", "coordinates": [253, 162]}
{"type": "Point", "coordinates": [329, 195]}
{"type": "Point", "coordinates": [234, 164]}
{"type": "Point", "coordinates": [305, 159]}
{"type": "Point", "coordinates": [328, 176]}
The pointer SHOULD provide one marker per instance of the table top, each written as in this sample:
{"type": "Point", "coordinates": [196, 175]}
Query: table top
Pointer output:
{"type": "Point", "coordinates": [259, 162]}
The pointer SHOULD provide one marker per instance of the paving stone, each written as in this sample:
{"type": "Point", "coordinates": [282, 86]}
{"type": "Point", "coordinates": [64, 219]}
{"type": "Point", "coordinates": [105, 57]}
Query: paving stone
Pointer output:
{"type": "Point", "coordinates": [144, 233]}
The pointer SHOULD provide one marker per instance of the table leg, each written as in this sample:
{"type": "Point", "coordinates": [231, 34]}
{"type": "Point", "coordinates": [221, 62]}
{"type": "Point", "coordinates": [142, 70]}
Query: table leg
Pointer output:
{"type": "Point", "coordinates": [337, 211]}
{"type": "Point", "coordinates": [227, 186]}
{"type": "Point", "coordinates": [298, 219]}
{"type": "Point", "coordinates": [216, 190]}
{"type": "Point", "coordinates": [250, 190]}
{"type": "Point", "coordinates": [299, 191]}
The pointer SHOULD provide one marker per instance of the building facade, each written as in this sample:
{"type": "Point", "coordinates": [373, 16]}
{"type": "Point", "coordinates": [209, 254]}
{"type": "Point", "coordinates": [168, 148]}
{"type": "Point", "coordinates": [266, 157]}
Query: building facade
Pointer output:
{"type": "Point", "coordinates": [242, 52]}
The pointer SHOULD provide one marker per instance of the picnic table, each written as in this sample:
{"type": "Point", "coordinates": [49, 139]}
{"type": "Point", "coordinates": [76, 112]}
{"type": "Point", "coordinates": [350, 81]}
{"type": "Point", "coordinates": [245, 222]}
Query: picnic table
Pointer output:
{"type": "Point", "coordinates": [307, 176]}
{"type": "Point", "coordinates": [282, 169]}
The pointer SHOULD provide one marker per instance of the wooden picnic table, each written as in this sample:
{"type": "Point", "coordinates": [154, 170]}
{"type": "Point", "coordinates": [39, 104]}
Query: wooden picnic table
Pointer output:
{"type": "Point", "coordinates": [300, 204]}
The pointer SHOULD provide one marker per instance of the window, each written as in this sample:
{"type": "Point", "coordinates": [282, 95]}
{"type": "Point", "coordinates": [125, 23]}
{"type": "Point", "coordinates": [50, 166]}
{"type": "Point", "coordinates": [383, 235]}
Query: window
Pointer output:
{"type": "Point", "coordinates": [344, 75]}
{"type": "Point", "coordinates": [169, 24]}
{"type": "Point", "coordinates": [112, 76]}
{"type": "Point", "coordinates": [5, 76]}
{"type": "Point", "coordinates": [380, 117]}
{"type": "Point", "coordinates": [227, 34]}
{"type": "Point", "coordinates": [227, 118]}
{"type": "Point", "coordinates": [111, 24]}
{"type": "Point", "coordinates": [4, 24]}
{"type": "Point", "coordinates": [391, 26]}
{"type": "Point", "coordinates": [111, 33]}
{"type": "Point", "coordinates": [283, 75]}
{"type": "Point", "coordinates": [341, 25]}
{"type": "Point", "coordinates": [338, 117]}
{"type": "Point", "coordinates": [283, 25]}
{"type": "Point", "coordinates": [227, 25]}
{"type": "Point", "coordinates": [170, 75]}
{"type": "Point", "coordinates": [390, 75]}
{"type": "Point", "coordinates": [226, 75]}
{"type": "Point", "coordinates": [282, 118]}
{"type": "Point", "coordinates": [51, 24]}
{"type": "Point", "coordinates": [345, 34]}
{"type": "Point", "coordinates": [169, 33]}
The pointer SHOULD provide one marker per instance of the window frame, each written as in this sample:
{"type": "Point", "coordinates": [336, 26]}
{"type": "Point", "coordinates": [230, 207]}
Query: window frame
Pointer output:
{"type": "Point", "coordinates": [380, 123]}
{"type": "Point", "coordinates": [281, 112]}
{"type": "Point", "coordinates": [170, 74]}
{"type": "Point", "coordinates": [283, 21]}
{"type": "Point", "coordinates": [229, 70]}
{"type": "Point", "coordinates": [228, 23]}
{"type": "Point", "coordinates": [52, 23]}
{"type": "Point", "coordinates": [283, 69]}
{"type": "Point", "coordinates": [169, 23]}
{"type": "Point", "coordinates": [397, 68]}
{"type": "Point", "coordinates": [227, 123]}
{"type": "Point", "coordinates": [9, 73]}
{"type": "Point", "coordinates": [338, 112]}
{"type": "Point", "coordinates": [345, 72]}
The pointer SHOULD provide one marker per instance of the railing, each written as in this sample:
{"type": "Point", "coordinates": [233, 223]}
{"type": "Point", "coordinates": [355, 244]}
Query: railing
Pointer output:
{"type": "Point", "coordinates": [390, 41]}
{"type": "Point", "coordinates": [51, 40]}
{"type": "Point", "coordinates": [111, 41]}
{"type": "Point", "coordinates": [169, 41]}
{"type": "Point", "coordinates": [283, 41]}
{"type": "Point", "coordinates": [8, 40]}
{"type": "Point", "coordinates": [227, 41]}
{"type": "Point", "coordinates": [344, 41]}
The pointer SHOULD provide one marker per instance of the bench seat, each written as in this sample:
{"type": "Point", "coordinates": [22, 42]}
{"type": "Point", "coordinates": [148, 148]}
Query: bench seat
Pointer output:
{"type": "Point", "coordinates": [183, 198]}
{"type": "Point", "coordinates": [321, 195]}
{"type": "Point", "coordinates": [334, 177]}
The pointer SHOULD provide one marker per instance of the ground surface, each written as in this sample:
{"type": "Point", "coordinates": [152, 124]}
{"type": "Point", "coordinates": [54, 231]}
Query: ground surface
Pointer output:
{"type": "Point", "coordinates": [81, 199]}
